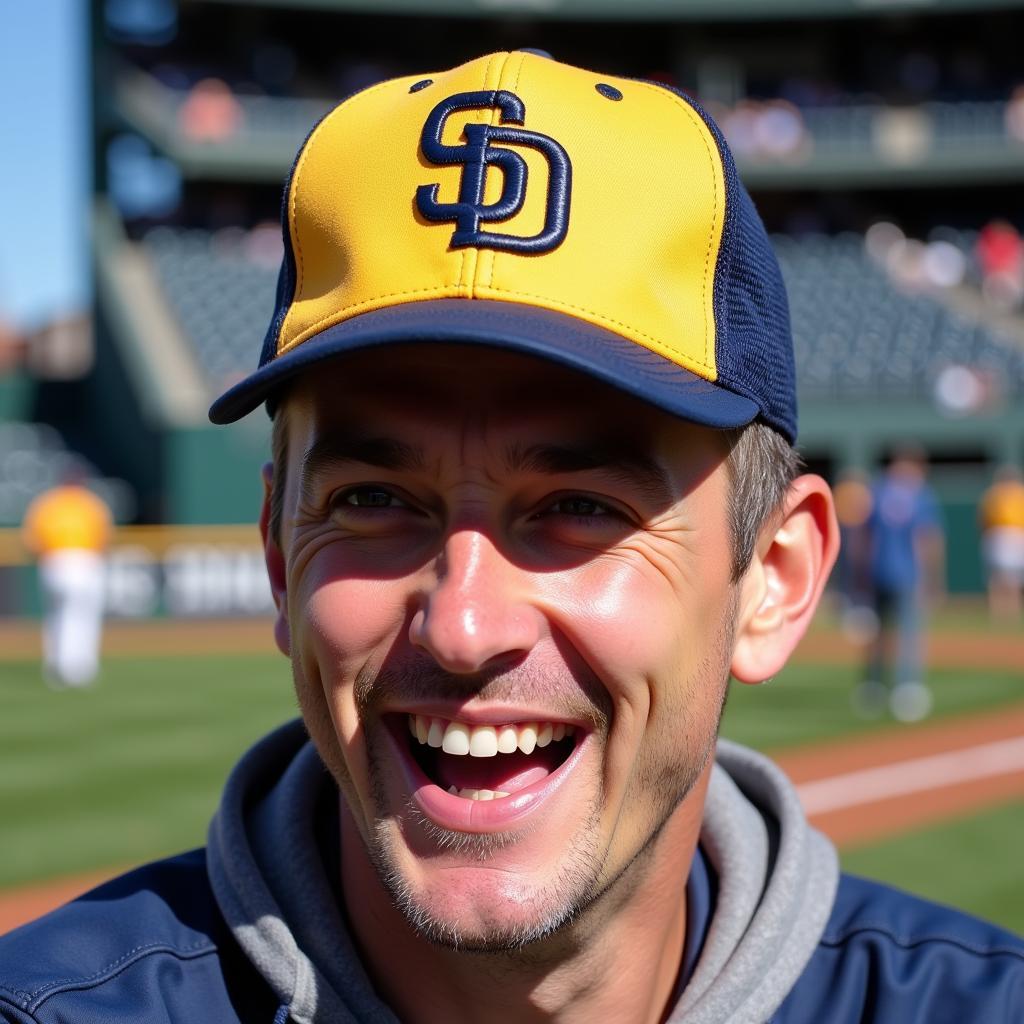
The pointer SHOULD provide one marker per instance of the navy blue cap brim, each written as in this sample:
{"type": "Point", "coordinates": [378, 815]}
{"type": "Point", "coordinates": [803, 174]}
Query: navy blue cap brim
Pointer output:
{"type": "Point", "coordinates": [559, 337]}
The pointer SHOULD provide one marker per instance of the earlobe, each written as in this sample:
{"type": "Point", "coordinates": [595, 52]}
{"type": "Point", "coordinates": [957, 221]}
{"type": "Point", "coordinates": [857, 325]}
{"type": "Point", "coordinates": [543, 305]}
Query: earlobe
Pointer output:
{"type": "Point", "coordinates": [781, 589]}
{"type": "Point", "coordinates": [275, 562]}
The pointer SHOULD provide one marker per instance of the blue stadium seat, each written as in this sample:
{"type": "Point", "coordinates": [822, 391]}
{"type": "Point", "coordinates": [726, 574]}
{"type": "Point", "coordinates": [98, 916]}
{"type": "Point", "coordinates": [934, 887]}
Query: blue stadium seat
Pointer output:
{"type": "Point", "coordinates": [856, 335]}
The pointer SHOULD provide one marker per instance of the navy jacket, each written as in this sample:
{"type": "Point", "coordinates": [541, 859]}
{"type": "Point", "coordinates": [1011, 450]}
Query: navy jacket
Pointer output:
{"type": "Point", "coordinates": [151, 948]}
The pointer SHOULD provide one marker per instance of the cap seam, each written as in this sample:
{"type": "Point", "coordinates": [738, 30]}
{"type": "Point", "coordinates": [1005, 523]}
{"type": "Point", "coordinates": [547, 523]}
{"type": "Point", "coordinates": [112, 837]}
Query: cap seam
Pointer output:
{"type": "Point", "coordinates": [292, 203]}
{"type": "Point", "coordinates": [702, 133]}
{"type": "Point", "coordinates": [469, 258]}
{"type": "Point", "coordinates": [350, 311]}
{"type": "Point", "coordinates": [346, 313]}
{"type": "Point", "coordinates": [634, 332]}
{"type": "Point", "coordinates": [491, 254]}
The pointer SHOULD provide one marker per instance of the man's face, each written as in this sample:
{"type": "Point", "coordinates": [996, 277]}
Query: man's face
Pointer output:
{"type": "Point", "coordinates": [484, 551]}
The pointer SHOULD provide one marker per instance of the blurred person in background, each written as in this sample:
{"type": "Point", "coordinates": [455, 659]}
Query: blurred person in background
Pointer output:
{"type": "Point", "coordinates": [852, 494]}
{"type": "Point", "coordinates": [68, 529]}
{"type": "Point", "coordinates": [1014, 116]}
{"type": "Point", "coordinates": [905, 555]}
{"type": "Point", "coordinates": [211, 112]}
{"type": "Point", "coordinates": [1001, 514]}
{"type": "Point", "coordinates": [1000, 254]}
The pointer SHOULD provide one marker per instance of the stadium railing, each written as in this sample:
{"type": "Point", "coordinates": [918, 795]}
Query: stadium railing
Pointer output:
{"type": "Point", "coordinates": [841, 145]}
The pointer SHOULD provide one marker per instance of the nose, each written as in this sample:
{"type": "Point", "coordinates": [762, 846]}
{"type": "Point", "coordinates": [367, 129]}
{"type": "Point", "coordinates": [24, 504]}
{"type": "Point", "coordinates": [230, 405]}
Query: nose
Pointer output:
{"type": "Point", "coordinates": [477, 613]}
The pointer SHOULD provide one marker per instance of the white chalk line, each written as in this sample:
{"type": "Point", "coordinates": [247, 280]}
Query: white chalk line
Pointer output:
{"type": "Point", "coordinates": [916, 775]}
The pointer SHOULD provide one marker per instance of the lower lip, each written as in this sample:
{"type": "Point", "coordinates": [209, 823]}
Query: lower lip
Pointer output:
{"type": "Point", "coordinates": [462, 815]}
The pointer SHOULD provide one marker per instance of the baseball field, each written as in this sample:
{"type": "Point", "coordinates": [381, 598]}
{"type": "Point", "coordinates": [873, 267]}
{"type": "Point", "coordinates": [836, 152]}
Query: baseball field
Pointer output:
{"type": "Point", "coordinates": [97, 780]}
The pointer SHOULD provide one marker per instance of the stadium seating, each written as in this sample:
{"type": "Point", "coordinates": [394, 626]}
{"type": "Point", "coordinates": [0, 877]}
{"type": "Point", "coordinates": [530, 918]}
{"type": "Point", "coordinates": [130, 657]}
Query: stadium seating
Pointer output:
{"type": "Point", "coordinates": [34, 458]}
{"type": "Point", "coordinates": [220, 290]}
{"type": "Point", "coordinates": [856, 334]}
{"type": "Point", "coordinates": [959, 125]}
{"type": "Point", "coordinates": [847, 125]}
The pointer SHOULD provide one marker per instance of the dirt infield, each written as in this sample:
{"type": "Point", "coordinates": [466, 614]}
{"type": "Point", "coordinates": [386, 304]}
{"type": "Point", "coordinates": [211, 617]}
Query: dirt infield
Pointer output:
{"type": "Point", "coordinates": [959, 649]}
{"type": "Point", "coordinates": [20, 638]}
{"type": "Point", "coordinates": [865, 815]}
{"type": "Point", "coordinates": [941, 769]}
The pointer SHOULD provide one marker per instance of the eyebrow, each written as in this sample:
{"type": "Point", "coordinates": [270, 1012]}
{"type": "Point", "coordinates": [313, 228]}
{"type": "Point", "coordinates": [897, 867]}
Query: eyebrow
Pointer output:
{"type": "Point", "coordinates": [617, 460]}
{"type": "Point", "coordinates": [335, 450]}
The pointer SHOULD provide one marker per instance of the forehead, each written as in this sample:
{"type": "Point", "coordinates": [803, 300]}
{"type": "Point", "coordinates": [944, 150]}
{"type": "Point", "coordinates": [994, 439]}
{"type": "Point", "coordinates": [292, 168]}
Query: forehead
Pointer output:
{"type": "Point", "coordinates": [475, 390]}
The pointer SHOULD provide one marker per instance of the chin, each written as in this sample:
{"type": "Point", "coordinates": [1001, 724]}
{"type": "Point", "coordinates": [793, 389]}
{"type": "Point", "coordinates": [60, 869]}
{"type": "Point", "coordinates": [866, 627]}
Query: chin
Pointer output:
{"type": "Point", "coordinates": [459, 901]}
{"type": "Point", "coordinates": [479, 924]}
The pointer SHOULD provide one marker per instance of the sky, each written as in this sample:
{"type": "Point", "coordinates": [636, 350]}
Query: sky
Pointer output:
{"type": "Point", "coordinates": [44, 159]}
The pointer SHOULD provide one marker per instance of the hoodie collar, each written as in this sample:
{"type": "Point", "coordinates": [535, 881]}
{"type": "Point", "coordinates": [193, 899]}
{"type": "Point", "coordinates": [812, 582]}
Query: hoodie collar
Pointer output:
{"type": "Point", "coordinates": [760, 890]}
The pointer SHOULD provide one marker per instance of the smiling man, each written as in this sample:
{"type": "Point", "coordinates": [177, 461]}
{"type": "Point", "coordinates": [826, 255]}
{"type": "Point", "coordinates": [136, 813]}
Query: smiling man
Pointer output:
{"type": "Point", "coordinates": [509, 600]}
{"type": "Point", "coordinates": [532, 501]}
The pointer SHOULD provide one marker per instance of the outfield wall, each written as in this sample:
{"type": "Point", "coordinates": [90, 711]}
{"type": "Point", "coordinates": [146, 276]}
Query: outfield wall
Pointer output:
{"type": "Point", "coordinates": [155, 571]}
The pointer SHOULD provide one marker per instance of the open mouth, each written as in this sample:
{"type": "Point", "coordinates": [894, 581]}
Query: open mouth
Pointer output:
{"type": "Point", "coordinates": [488, 762]}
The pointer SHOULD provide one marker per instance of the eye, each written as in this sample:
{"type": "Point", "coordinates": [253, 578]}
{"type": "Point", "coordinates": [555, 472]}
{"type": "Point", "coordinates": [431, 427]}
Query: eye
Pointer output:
{"type": "Point", "coordinates": [368, 496]}
{"type": "Point", "coordinates": [582, 510]}
{"type": "Point", "coordinates": [580, 519]}
{"type": "Point", "coordinates": [581, 507]}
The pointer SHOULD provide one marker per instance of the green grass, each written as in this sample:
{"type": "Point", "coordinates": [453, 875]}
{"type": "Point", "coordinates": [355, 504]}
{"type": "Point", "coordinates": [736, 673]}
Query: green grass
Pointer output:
{"type": "Point", "coordinates": [973, 863]}
{"type": "Point", "coordinates": [133, 768]}
{"type": "Point", "coordinates": [809, 703]}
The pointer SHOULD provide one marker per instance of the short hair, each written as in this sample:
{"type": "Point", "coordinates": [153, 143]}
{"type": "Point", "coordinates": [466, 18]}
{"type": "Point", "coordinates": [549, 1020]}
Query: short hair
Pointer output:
{"type": "Point", "coordinates": [279, 469]}
{"type": "Point", "coordinates": [761, 464]}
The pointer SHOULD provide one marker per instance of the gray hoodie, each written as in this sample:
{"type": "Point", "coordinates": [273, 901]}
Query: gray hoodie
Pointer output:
{"type": "Point", "coordinates": [776, 875]}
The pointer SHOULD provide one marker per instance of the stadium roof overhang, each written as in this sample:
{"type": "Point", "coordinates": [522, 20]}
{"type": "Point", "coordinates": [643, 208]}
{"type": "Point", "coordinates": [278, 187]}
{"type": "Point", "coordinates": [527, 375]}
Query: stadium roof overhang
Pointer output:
{"type": "Point", "coordinates": [635, 10]}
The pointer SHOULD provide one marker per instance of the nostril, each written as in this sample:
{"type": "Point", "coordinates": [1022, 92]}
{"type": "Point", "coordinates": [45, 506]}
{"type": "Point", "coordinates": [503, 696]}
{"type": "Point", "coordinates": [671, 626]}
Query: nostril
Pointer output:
{"type": "Point", "coordinates": [469, 639]}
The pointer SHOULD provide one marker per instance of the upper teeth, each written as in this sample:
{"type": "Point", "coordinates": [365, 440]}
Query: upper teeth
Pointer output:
{"type": "Point", "coordinates": [485, 740]}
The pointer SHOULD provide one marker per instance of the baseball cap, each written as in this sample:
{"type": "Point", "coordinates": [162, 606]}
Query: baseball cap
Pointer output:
{"type": "Point", "coordinates": [523, 203]}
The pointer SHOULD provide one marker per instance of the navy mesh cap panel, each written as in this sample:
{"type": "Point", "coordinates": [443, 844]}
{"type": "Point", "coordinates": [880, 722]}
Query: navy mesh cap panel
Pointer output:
{"type": "Point", "coordinates": [753, 338]}
{"type": "Point", "coordinates": [754, 353]}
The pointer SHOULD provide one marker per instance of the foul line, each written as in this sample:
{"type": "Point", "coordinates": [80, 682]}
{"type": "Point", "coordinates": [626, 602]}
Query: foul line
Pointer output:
{"type": "Point", "coordinates": [914, 776]}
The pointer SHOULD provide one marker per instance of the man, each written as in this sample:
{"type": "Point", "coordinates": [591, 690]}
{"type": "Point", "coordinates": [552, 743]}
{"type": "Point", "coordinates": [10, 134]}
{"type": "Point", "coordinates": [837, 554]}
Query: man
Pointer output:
{"type": "Point", "coordinates": [905, 553]}
{"type": "Point", "coordinates": [532, 500]}
{"type": "Point", "coordinates": [68, 529]}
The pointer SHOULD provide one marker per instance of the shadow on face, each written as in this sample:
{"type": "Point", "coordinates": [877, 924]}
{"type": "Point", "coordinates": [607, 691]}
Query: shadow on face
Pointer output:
{"type": "Point", "coordinates": [467, 424]}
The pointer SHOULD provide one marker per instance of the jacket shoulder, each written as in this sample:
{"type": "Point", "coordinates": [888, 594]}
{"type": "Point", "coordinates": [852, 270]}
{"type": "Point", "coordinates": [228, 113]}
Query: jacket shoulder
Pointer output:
{"type": "Point", "coordinates": [147, 946]}
{"type": "Point", "coordinates": [893, 958]}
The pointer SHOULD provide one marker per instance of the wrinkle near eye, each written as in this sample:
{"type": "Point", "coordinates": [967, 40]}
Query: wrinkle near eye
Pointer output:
{"type": "Point", "coordinates": [307, 543]}
{"type": "Point", "coordinates": [673, 553]}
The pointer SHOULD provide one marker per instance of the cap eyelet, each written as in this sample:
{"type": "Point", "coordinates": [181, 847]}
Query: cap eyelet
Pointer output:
{"type": "Point", "coordinates": [609, 92]}
{"type": "Point", "coordinates": [421, 84]}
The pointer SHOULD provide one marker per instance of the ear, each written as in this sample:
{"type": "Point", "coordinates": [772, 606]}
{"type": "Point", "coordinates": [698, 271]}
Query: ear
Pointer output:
{"type": "Point", "coordinates": [276, 570]}
{"type": "Point", "coordinates": [780, 590]}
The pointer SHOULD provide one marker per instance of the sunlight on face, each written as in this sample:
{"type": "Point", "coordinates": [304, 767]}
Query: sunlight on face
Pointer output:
{"type": "Point", "coordinates": [486, 541]}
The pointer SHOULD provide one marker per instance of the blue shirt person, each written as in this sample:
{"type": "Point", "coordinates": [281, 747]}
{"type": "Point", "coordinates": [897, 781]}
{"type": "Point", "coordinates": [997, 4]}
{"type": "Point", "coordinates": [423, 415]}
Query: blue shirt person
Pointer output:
{"type": "Point", "coordinates": [905, 558]}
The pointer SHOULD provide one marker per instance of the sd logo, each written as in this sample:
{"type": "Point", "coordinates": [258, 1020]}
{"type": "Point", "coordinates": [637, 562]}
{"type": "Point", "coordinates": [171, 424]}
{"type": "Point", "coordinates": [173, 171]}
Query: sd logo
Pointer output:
{"type": "Point", "coordinates": [470, 210]}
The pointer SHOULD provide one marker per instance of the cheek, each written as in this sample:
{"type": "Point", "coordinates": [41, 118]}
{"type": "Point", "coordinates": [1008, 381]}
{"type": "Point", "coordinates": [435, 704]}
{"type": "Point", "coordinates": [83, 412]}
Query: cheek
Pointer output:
{"type": "Point", "coordinates": [655, 635]}
{"type": "Point", "coordinates": [345, 625]}
{"type": "Point", "coordinates": [346, 615]}
{"type": "Point", "coordinates": [636, 622]}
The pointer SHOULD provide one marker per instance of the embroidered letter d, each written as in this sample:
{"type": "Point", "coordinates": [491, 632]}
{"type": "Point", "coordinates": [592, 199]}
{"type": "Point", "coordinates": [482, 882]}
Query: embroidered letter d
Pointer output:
{"type": "Point", "coordinates": [470, 211]}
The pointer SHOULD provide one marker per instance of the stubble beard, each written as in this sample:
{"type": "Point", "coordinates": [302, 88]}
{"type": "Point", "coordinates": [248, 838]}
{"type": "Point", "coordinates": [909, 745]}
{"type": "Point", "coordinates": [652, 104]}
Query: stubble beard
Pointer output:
{"type": "Point", "coordinates": [578, 887]}
{"type": "Point", "coordinates": [548, 910]}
